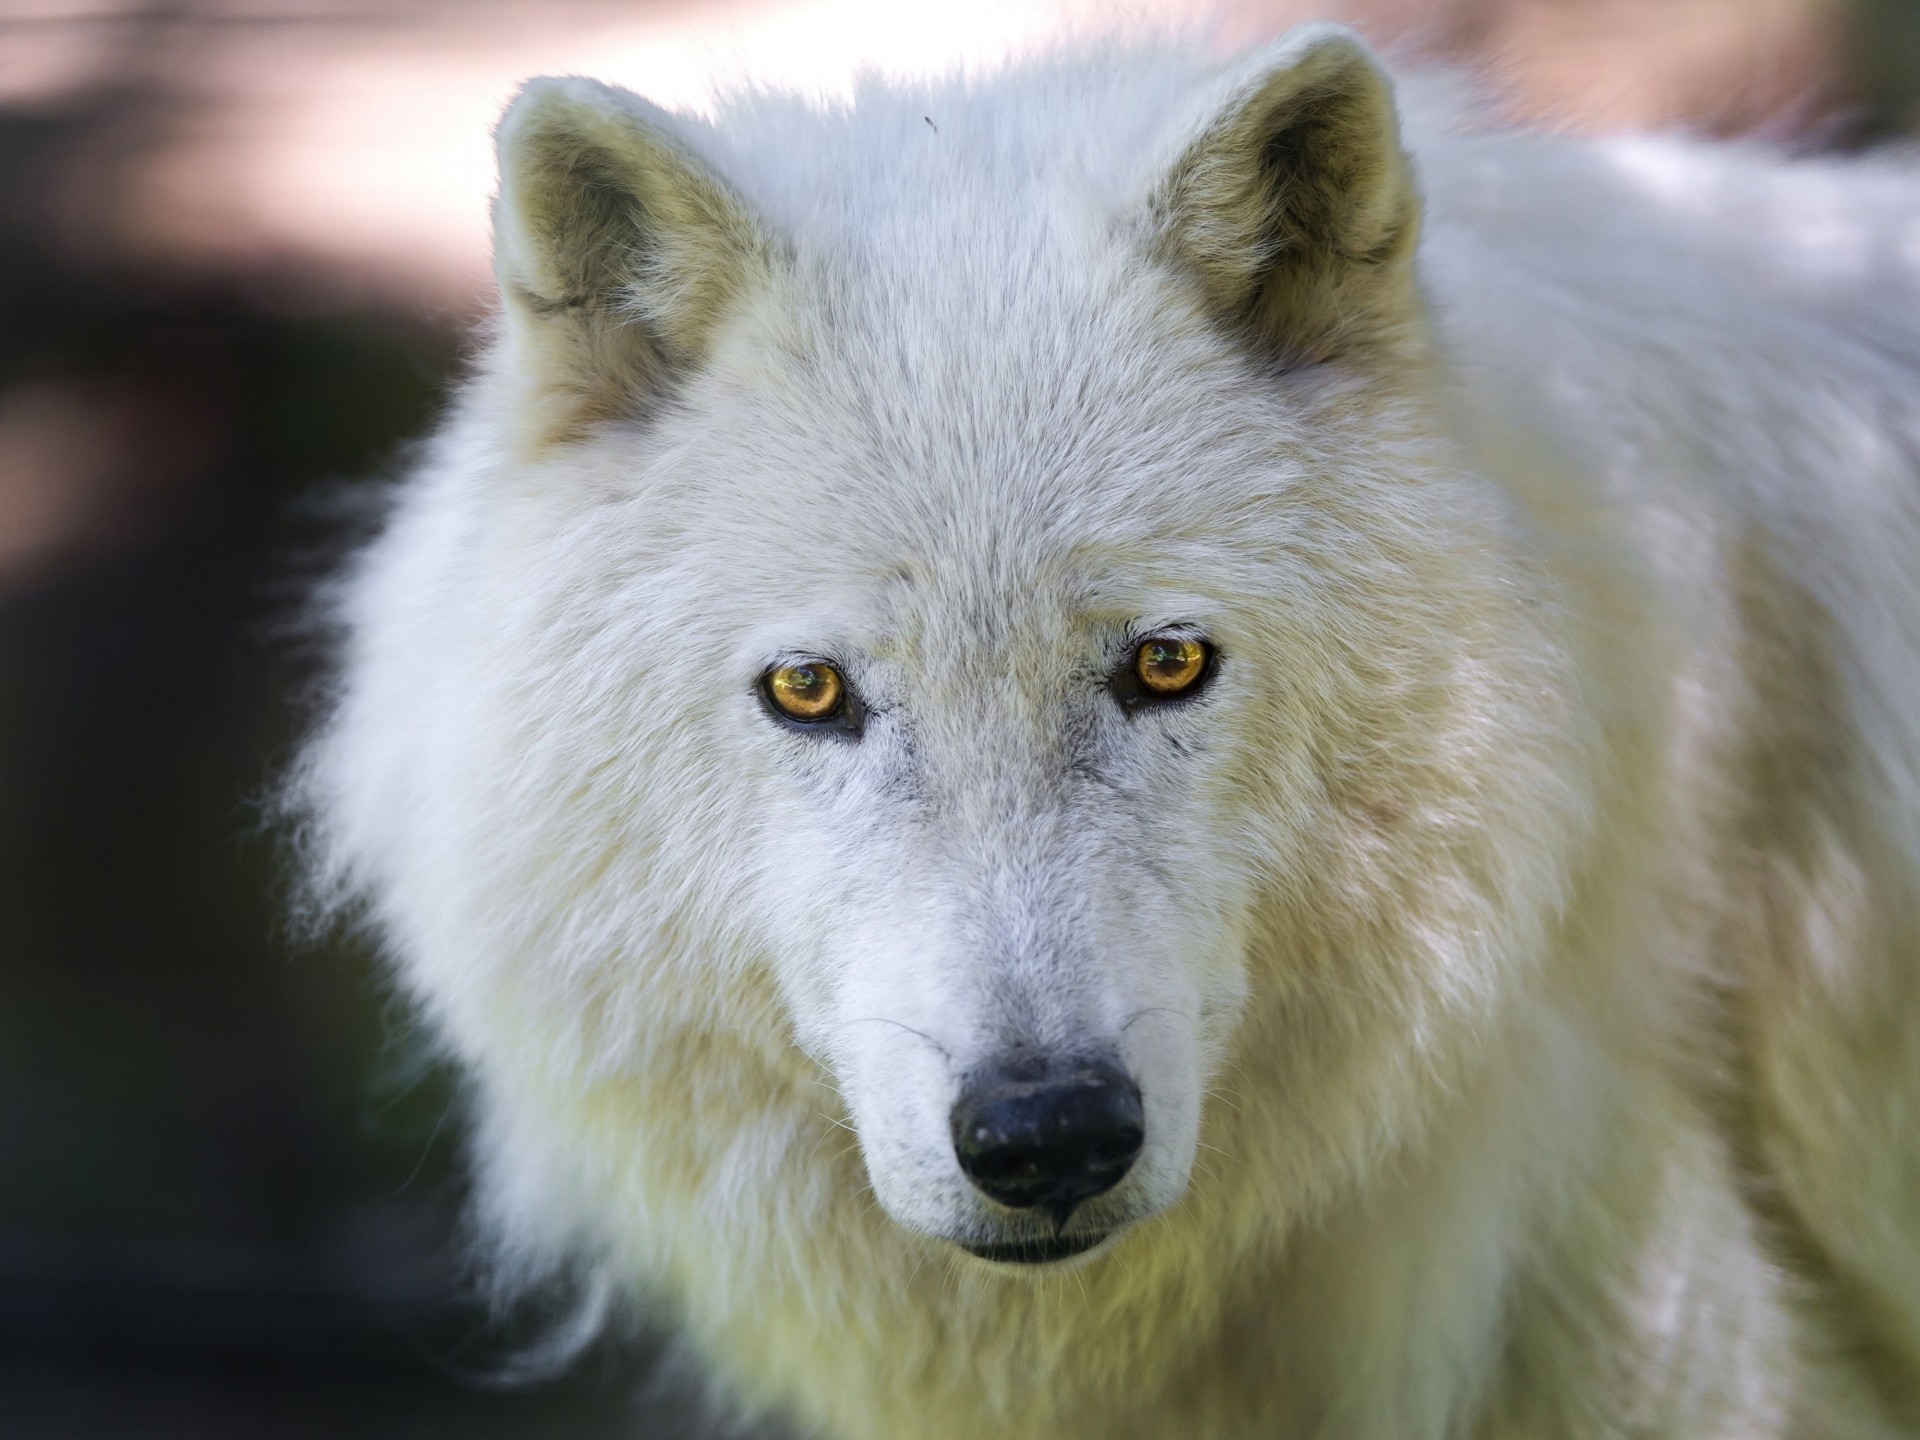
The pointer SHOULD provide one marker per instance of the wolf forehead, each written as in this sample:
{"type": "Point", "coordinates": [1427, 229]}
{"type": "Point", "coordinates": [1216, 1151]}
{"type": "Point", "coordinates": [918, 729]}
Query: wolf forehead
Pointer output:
{"type": "Point", "coordinates": [995, 460]}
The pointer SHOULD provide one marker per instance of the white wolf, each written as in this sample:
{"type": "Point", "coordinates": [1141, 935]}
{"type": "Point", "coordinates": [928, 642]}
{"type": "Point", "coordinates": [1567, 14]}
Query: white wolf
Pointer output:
{"type": "Point", "coordinates": [1126, 752]}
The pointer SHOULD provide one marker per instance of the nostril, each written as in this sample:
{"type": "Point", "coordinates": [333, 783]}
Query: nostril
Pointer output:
{"type": "Point", "coordinates": [1119, 1149]}
{"type": "Point", "coordinates": [1051, 1138]}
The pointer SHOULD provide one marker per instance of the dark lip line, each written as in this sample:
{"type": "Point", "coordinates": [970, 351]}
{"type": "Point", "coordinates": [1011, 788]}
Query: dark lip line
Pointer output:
{"type": "Point", "coordinates": [1044, 1251]}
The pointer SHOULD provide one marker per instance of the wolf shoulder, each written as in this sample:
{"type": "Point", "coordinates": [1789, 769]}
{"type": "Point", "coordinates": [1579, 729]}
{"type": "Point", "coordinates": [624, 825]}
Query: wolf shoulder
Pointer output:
{"type": "Point", "coordinates": [1713, 350]}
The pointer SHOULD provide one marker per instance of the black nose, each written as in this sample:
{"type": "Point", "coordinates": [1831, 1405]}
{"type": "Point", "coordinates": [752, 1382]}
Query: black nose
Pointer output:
{"type": "Point", "coordinates": [1048, 1137]}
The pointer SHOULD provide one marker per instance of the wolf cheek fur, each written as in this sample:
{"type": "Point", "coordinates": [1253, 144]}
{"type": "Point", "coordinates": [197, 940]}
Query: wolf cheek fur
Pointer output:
{"type": "Point", "coordinates": [1509, 947]}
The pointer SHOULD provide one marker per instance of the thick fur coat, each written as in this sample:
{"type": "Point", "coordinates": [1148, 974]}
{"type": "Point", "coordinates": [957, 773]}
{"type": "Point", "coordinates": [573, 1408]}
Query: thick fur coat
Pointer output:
{"type": "Point", "coordinates": [1515, 941]}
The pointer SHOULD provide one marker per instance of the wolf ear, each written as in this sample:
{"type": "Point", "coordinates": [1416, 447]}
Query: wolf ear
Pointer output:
{"type": "Point", "coordinates": [617, 252]}
{"type": "Point", "coordinates": [1295, 206]}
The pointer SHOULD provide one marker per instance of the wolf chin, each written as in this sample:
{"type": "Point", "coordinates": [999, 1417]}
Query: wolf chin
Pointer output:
{"type": "Point", "coordinates": [1166, 748]}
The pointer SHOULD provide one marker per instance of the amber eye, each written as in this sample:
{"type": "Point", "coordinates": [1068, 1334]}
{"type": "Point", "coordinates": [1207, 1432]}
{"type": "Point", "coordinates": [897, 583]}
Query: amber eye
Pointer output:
{"type": "Point", "coordinates": [809, 693]}
{"type": "Point", "coordinates": [1170, 665]}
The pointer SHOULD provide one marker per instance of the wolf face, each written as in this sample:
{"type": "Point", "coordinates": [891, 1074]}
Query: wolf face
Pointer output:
{"type": "Point", "coordinates": [996, 852]}
{"type": "Point", "coordinates": [980, 653]}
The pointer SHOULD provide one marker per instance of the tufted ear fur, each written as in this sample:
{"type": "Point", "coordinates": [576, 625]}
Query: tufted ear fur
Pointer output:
{"type": "Point", "coordinates": [1295, 206]}
{"type": "Point", "coordinates": [618, 253]}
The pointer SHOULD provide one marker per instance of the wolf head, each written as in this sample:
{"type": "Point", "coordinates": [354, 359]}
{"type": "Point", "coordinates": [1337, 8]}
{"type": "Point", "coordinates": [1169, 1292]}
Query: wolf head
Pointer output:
{"type": "Point", "coordinates": [959, 623]}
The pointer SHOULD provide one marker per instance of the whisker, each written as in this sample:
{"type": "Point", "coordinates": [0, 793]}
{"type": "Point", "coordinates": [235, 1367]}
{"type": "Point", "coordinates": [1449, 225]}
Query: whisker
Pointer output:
{"type": "Point", "coordinates": [814, 1154]}
{"type": "Point", "coordinates": [914, 1273]}
{"type": "Point", "coordinates": [883, 1020]}
{"type": "Point", "coordinates": [1221, 1097]}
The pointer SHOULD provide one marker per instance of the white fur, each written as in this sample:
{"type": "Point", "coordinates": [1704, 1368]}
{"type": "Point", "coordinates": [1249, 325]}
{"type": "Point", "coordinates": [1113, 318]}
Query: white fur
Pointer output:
{"type": "Point", "coordinates": [1516, 946]}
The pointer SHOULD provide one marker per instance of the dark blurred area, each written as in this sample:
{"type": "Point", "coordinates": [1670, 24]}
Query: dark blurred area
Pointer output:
{"type": "Point", "coordinates": [234, 277]}
{"type": "Point", "coordinates": [226, 1193]}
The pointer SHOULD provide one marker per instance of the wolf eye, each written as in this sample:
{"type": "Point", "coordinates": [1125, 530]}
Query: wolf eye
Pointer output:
{"type": "Point", "coordinates": [1170, 665]}
{"type": "Point", "coordinates": [1164, 667]}
{"type": "Point", "coordinates": [811, 693]}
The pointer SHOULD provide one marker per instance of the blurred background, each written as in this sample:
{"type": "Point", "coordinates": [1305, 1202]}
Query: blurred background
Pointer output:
{"type": "Point", "coordinates": [240, 242]}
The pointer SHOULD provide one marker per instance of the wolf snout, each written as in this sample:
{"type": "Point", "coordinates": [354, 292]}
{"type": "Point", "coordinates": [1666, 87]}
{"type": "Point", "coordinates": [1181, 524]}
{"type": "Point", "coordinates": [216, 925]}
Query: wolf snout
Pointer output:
{"type": "Point", "coordinates": [1047, 1136]}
